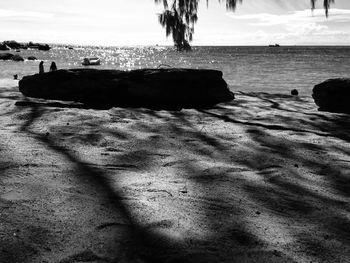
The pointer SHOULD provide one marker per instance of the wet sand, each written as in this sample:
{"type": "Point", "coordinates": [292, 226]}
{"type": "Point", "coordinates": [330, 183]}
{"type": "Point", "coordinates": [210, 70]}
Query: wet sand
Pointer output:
{"type": "Point", "coordinates": [265, 178]}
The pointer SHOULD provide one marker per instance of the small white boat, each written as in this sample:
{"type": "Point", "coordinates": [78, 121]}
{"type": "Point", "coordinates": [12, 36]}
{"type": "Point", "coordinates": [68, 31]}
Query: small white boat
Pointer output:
{"type": "Point", "coordinates": [91, 61]}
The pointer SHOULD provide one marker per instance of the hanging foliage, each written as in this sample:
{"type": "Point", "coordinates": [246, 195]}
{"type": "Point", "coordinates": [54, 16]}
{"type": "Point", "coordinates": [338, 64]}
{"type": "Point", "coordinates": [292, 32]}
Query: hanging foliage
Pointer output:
{"type": "Point", "coordinates": [179, 17]}
{"type": "Point", "coordinates": [326, 4]}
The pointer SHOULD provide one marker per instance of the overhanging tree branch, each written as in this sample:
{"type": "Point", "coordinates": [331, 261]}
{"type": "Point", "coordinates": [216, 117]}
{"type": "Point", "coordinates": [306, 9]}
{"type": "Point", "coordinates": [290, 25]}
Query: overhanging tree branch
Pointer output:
{"type": "Point", "coordinates": [179, 18]}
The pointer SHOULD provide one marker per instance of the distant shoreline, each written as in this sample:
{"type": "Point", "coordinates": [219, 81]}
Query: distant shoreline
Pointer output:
{"type": "Point", "coordinates": [193, 46]}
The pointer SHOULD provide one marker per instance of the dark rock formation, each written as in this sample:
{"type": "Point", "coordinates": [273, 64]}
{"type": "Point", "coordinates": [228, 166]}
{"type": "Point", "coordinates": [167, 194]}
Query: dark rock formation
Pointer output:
{"type": "Point", "coordinates": [9, 56]}
{"type": "Point", "coordinates": [153, 88]}
{"type": "Point", "coordinates": [32, 58]}
{"type": "Point", "coordinates": [7, 45]}
{"type": "Point", "coordinates": [13, 44]}
{"type": "Point", "coordinates": [17, 58]}
{"type": "Point", "coordinates": [45, 47]}
{"type": "Point", "coordinates": [6, 56]}
{"type": "Point", "coordinates": [4, 47]}
{"type": "Point", "coordinates": [294, 92]}
{"type": "Point", "coordinates": [333, 95]}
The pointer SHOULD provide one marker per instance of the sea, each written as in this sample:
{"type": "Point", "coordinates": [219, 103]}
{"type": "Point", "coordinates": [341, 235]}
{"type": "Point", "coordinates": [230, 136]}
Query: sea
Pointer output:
{"type": "Point", "coordinates": [247, 69]}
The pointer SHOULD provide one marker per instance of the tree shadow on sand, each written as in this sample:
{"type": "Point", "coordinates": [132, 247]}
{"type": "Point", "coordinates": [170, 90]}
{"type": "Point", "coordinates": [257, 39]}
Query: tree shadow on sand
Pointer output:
{"type": "Point", "coordinates": [145, 244]}
{"type": "Point", "coordinates": [245, 180]}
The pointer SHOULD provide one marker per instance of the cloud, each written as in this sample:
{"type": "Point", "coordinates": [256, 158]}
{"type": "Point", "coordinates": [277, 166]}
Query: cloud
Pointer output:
{"type": "Point", "coordinates": [309, 29]}
{"type": "Point", "coordinates": [298, 27]}
{"type": "Point", "coordinates": [12, 14]}
{"type": "Point", "coordinates": [263, 38]}
{"type": "Point", "coordinates": [317, 16]}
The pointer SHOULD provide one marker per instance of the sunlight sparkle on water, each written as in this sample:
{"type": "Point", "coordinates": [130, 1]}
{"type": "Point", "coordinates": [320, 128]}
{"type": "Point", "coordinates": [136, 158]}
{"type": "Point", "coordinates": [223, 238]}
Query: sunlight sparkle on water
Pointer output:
{"type": "Point", "coordinates": [244, 68]}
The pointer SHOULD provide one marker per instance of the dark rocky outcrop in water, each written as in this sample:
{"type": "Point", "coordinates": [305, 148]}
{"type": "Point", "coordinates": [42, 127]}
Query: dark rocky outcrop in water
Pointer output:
{"type": "Point", "coordinates": [294, 92]}
{"type": "Point", "coordinates": [7, 45]}
{"type": "Point", "coordinates": [333, 95]}
{"type": "Point", "coordinates": [4, 47]}
{"type": "Point", "coordinates": [13, 44]}
{"type": "Point", "coordinates": [32, 58]}
{"type": "Point", "coordinates": [17, 58]}
{"type": "Point", "coordinates": [152, 88]}
{"type": "Point", "coordinates": [44, 47]}
{"type": "Point", "coordinates": [6, 56]}
{"type": "Point", "coordinates": [9, 56]}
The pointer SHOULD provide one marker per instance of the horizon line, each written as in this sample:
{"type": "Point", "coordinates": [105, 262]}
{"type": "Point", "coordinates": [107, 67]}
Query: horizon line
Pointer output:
{"type": "Point", "coordinates": [172, 45]}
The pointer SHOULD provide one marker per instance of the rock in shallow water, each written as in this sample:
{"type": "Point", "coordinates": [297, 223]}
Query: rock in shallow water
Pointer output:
{"type": "Point", "coordinates": [9, 56]}
{"type": "Point", "coordinates": [4, 47]}
{"type": "Point", "coordinates": [333, 95]}
{"type": "Point", "coordinates": [6, 56]}
{"type": "Point", "coordinates": [294, 92]}
{"type": "Point", "coordinates": [17, 58]}
{"type": "Point", "coordinates": [153, 88]}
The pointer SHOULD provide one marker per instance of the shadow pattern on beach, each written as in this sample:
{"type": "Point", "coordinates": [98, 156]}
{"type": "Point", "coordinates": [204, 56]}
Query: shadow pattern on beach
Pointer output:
{"type": "Point", "coordinates": [250, 179]}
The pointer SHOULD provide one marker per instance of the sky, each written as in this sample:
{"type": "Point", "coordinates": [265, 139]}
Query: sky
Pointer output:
{"type": "Point", "coordinates": [135, 22]}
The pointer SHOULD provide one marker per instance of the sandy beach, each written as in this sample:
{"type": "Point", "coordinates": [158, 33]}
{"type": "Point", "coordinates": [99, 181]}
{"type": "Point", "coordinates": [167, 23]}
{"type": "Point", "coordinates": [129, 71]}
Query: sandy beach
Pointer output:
{"type": "Point", "coordinates": [264, 178]}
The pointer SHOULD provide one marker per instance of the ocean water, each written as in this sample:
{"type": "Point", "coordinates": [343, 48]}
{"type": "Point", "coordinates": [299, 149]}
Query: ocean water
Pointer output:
{"type": "Point", "coordinates": [260, 69]}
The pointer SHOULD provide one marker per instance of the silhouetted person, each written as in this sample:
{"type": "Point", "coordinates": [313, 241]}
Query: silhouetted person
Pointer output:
{"type": "Point", "coordinates": [53, 66]}
{"type": "Point", "coordinates": [15, 76]}
{"type": "Point", "coordinates": [41, 67]}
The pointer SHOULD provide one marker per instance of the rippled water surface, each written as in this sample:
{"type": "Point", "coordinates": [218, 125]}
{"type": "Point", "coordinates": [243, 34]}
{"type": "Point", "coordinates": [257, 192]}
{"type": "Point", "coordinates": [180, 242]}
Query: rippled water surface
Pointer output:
{"type": "Point", "coordinates": [274, 70]}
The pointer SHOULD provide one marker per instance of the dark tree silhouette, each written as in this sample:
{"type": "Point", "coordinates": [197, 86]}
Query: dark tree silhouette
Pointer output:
{"type": "Point", "coordinates": [326, 4]}
{"type": "Point", "coordinates": [179, 17]}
